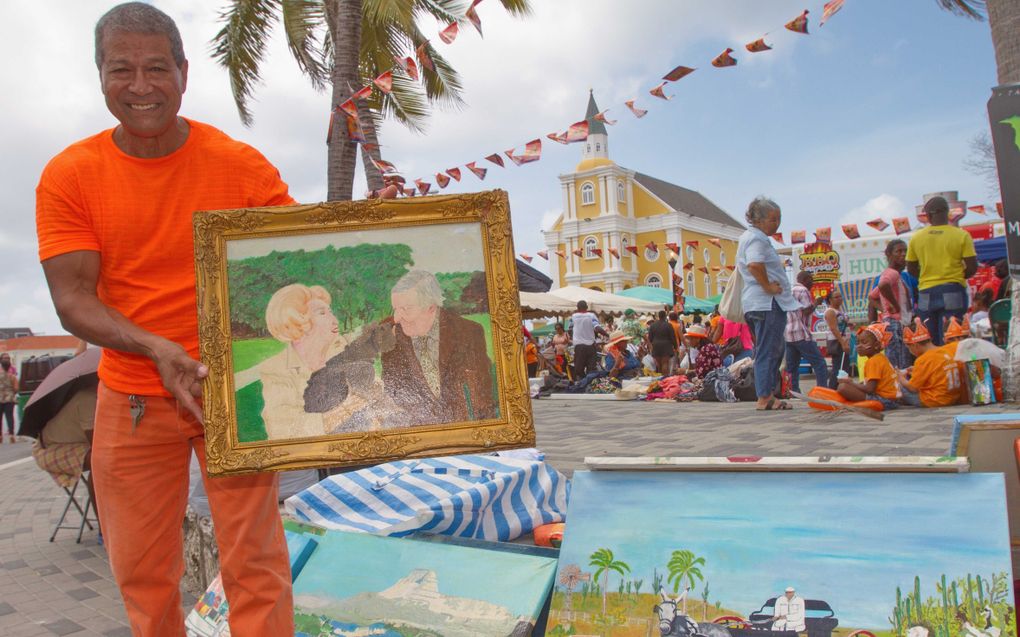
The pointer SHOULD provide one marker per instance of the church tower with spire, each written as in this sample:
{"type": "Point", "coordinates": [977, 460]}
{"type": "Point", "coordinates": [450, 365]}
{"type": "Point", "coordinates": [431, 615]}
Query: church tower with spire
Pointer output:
{"type": "Point", "coordinates": [620, 228]}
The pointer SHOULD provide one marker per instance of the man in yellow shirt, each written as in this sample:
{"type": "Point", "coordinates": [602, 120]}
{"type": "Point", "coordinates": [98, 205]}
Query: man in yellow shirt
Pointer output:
{"type": "Point", "coordinates": [942, 258]}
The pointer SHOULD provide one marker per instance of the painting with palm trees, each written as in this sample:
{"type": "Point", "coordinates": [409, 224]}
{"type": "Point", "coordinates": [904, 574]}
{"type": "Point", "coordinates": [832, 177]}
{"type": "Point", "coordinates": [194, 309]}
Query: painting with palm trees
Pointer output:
{"type": "Point", "coordinates": [851, 554]}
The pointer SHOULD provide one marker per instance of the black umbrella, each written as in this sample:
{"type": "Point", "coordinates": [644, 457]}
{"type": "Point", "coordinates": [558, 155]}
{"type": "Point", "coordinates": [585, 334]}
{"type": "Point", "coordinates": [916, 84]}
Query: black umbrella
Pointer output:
{"type": "Point", "coordinates": [57, 388]}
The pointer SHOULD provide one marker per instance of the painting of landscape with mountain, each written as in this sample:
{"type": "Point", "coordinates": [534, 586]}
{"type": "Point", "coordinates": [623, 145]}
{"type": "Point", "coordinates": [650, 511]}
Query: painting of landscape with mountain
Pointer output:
{"type": "Point", "coordinates": [357, 585]}
{"type": "Point", "coordinates": [657, 554]}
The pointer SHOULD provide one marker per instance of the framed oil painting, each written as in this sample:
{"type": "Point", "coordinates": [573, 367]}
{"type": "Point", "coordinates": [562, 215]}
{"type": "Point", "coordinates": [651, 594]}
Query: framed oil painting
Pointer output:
{"type": "Point", "coordinates": [353, 333]}
{"type": "Point", "coordinates": [742, 554]}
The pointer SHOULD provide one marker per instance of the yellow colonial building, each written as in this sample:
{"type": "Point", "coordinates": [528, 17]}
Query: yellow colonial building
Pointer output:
{"type": "Point", "coordinates": [608, 206]}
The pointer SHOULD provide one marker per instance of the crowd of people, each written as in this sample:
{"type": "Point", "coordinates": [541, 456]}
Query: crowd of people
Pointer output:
{"type": "Point", "coordinates": [904, 354]}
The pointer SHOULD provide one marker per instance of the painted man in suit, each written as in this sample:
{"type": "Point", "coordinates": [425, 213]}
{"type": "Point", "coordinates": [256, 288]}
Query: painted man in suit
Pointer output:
{"type": "Point", "coordinates": [438, 371]}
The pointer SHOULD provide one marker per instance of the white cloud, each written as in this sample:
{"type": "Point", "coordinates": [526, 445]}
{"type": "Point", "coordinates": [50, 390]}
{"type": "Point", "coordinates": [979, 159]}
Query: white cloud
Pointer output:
{"type": "Point", "coordinates": [549, 217]}
{"type": "Point", "coordinates": [883, 206]}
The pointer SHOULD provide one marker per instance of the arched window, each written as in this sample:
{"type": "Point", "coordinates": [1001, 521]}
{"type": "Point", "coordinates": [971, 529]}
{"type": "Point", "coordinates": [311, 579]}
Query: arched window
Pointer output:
{"type": "Point", "coordinates": [689, 288]}
{"type": "Point", "coordinates": [708, 256]}
{"type": "Point", "coordinates": [653, 281]}
{"type": "Point", "coordinates": [590, 245]}
{"type": "Point", "coordinates": [621, 192]}
{"type": "Point", "coordinates": [587, 194]}
{"type": "Point", "coordinates": [722, 279]}
{"type": "Point", "coordinates": [722, 258]}
{"type": "Point", "coordinates": [708, 286]}
{"type": "Point", "coordinates": [624, 244]}
{"type": "Point", "coordinates": [598, 147]}
{"type": "Point", "coordinates": [690, 254]}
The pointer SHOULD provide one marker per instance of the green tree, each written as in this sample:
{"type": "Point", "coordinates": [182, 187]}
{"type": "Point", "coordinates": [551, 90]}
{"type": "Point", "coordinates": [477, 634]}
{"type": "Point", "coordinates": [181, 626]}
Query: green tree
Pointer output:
{"type": "Point", "coordinates": [684, 565]}
{"type": "Point", "coordinates": [345, 44]}
{"type": "Point", "coordinates": [704, 601]}
{"type": "Point", "coordinates": [604, 561]}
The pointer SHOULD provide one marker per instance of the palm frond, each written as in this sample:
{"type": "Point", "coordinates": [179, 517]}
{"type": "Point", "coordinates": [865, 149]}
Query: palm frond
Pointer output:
{"type": "Point", "coordinates": [974, 9]}
{"type": "Point", "coordinates": [517, 8]}
{"type": "Point", "coordinates": [240, 47]}
{"type": "Point", "coordinates": [303, 20]}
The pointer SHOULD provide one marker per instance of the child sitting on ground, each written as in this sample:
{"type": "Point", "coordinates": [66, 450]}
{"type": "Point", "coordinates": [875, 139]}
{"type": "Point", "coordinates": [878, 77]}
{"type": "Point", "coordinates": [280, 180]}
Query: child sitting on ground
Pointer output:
{"type": "Point", "coordinates": [879, 376]}
{"type": "Point", "coordinates": [934, 380]}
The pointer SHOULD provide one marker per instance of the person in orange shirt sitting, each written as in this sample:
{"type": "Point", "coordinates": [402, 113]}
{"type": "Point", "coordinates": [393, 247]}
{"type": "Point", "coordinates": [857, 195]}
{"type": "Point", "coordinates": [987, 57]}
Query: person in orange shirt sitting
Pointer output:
{"type": "Point", "coordinates": [879, 376]}
{"type": "Point", "coordinates": [934, 380]}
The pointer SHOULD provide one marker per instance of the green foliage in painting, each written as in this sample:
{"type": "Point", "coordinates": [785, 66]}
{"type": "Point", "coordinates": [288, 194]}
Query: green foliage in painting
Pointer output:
{"type": "Point", "coordinates": [957, 608]}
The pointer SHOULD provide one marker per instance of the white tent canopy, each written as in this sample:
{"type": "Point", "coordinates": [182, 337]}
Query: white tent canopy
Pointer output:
{"type": "Point", "coordinates": [537, 304]}
{"type": "Point", "coordinates": [604, 301]}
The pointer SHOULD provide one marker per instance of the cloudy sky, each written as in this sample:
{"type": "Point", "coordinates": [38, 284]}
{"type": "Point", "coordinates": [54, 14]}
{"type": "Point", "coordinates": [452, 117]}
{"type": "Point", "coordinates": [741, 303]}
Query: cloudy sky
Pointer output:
{"type": "Point", "coordinates": [858, 119]}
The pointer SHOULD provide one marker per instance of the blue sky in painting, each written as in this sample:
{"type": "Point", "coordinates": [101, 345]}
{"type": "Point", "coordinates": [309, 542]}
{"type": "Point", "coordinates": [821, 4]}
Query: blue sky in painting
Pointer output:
{"type": "Point", "coordinates": [849, 539]}
{"type": "Point", "coordinates": [346, 564]}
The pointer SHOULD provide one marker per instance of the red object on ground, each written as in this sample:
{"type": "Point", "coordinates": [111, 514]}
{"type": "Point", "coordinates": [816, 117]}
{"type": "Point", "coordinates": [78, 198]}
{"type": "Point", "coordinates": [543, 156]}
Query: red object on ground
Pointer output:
{"type": "Point", "coordinates": [549, 534]}
{"type": "Point", "coordinates": [743, 458]}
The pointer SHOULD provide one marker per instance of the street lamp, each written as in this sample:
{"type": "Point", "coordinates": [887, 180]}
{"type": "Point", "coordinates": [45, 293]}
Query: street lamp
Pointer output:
{"type": "Point", "coordinates": [672, 275]}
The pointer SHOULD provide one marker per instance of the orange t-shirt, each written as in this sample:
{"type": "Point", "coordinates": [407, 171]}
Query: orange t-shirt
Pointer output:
{"type": "Point", "coordinates": [950, 350]}
{"type": "Point", "coordinates": [879, 369]}
{"type": "Point", "coordinates": [530, 352]}
{"type": "Point", "coordinates": [937, 378]}
{"type": "Point", "coordinates": [137, 214]}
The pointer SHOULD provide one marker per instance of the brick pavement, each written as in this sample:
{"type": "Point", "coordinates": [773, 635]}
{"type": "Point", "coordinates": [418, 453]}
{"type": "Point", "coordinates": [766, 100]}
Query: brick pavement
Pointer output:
{"type": "Point", "coordinates": [65, 588]}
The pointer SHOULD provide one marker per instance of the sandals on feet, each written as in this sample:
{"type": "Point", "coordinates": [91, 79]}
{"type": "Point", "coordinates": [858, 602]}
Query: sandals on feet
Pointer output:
{"type": "Point", "coordinates": [775, 405]}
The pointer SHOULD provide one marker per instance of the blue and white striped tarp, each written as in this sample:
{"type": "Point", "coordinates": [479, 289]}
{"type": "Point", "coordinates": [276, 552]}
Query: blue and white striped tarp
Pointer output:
{"type": "Point", "coordinates": [484, 497]}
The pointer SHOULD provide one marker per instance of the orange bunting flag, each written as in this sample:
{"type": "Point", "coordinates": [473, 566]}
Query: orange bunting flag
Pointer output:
{"type": "Point", "coordinates": [724, 59]}
{"type": "Point", "coordinates": [779, 238]}
{"type": "Point", "coordinates": [601, 117]}
{"type": "Point", "coordinates": [384, 82]}
{"type": "Point", "coordinates": [560, 138]}
{"type": "Point", "coordinates": [384, 167]}
{"type": "Point", "coordinates": [717, 243]}
{"type": "Point", "coordinates": [363, 93]}
{"type": "Point", "coordinates": [757, 46]}
{"type": "Point", "coordinates": [349, 108]}
{"type": "Point", "coordinates": [527, 257]}
{"type": "Point", "coordinates": [797, 236]}
{"type": "Point", "coordinates": [442, 180]}
{"type": "Point", "coordinates": [678, 73]}
{"type": "Point", "coordinates": [877, 224]}
{"type": "Point", "coordinates": [798, 24]}
{"type": "Point", "coordinates": [651, 246]}
{"type": "Point", "coordinates": [851, 231]}
{"type": "Point", "coordinates": [704, 269]}
{"type": "Point", "coordinates": [657, 92]}
{"type": "Point", "coordinates": [454, 172]}
{"type": "Point", "coordinates": [579, 252]}
{"type": "Point", "coordinates": [449, 34]}
{"type": "Point", "coordinates": [408, 66]}
{"type": "Point", "coordinates": [901, 224]}
{"type": "Point", "coordinates": [1000, 210]}
{"type": "Point", "coordinates": [496, 159]}
{"type": "Point", "coordinates": [978, 209]}
{"type": "Point", "coordinates": [472, 16]}
{"type": "Point", "coordinates": [354, 132]}
{"type": "Point", "coordinates": [830, 9]}
{"type": "Point", "coordinates": [631, 249]}
{"type": "Point", "coordinates": [423, 56]}
{"type": "Point", "coordinates": [614, 252]}
{"type": "Point", "coordinates": [561, 254]}
{"type": "Point", "coordinates": [423, 186]}
{"type": "Point", "coordinates": [532, 152]}
{"type": "Point", "coordinates": [597, 251]}
{"type": "Point", "coordinates": [410, 192]}
{"type": "Point", "coordinates": [479, 172]}
{"type": "Point", "coordinates": [578, 132]}
{"type": "Point", "coordinates": [955, 214]}
{"type": "Point", "coordinates": [367, 146]}
{"type": "Point", "coordinates": [824, 235]}
{"type": "Point", "coordinates": [674, 247]}
{"type": "Point", "coordinates": [638, 112]}
{"type": "Point", "coordinates": [544, 254]}
{"type": "Point", "coordinates": [716, 268]}
{"type": "Point", "coordinates": [688, 266]}
{"type": "Point", "coordinates": [693, 244]}
{"type": "Point", "coordinates": [731, 268]}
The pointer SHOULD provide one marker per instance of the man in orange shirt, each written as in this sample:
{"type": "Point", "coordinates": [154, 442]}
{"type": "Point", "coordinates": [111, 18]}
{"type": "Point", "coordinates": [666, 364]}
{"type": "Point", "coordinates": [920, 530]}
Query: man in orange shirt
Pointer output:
{"type": "Point", "coordinates": [113, 213]}
{"type": "Point", "coordinates": [934, 380]}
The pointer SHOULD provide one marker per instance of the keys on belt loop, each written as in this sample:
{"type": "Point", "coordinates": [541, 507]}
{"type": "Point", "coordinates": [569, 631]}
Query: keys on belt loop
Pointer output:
{"type": "Point", "coordinates": [137, 410]}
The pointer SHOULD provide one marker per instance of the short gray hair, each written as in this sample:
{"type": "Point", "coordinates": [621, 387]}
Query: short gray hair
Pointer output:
{"type": "Point", "coordinates": [138, 17]}
{"type": "Point", "coordinates": [759, 209]}
{"type": "Point", "coordinates": [425, 284]}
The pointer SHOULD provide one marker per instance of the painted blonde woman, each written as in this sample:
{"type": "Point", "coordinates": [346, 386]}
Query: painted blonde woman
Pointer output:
{"type": "Point", "coordinates": [301, 317]}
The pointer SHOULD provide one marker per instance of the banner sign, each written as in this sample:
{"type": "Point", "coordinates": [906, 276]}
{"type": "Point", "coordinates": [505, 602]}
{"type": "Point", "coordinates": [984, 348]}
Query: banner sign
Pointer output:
{"type": "Point", "coordinates": [1004, 117]}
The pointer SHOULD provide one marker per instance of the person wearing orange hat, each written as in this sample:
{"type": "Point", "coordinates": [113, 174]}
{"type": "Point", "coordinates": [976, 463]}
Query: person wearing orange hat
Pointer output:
{"type": "Point", "coordinates": [692, 340]}
{"type": "Point", "coordinates": [934, 380]}
{"type": "Point", "coordinates": [619, 360]}
{"type": "Point", "coordinates": [878, 374]}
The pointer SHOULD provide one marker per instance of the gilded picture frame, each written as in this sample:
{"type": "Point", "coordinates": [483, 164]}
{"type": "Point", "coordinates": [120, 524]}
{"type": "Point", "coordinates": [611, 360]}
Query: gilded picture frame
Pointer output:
{"type": "Point", "coordinates": [355, 333]}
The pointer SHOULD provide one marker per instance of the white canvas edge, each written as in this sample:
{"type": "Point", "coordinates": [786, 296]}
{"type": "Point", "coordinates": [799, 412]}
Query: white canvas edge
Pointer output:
{"type": "Point", "coordinates": [909, 464]}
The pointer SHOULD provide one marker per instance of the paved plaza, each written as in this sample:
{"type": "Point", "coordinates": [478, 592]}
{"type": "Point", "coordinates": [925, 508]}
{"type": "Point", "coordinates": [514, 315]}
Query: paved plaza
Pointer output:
{"type": "Point", "coordinates": [65, 588]}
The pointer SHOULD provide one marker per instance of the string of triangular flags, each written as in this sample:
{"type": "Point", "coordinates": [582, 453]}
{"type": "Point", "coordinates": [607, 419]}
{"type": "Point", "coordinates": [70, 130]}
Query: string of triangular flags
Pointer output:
{"type": "Point", "coordinates": [900, 225]}
{"type": "Point", "coordinates": [532, 150]}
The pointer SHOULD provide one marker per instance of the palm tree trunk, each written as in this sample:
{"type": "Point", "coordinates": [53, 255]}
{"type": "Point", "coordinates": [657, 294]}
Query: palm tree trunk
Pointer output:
{"type": "Point", "coordinates": [1004, 20]}
{"type": "Point", "coordinates": [605, 591]}
{"type": "Point", "coordinates": [344, 18]}
{"type": "Point", "coordinates": [373, 177]}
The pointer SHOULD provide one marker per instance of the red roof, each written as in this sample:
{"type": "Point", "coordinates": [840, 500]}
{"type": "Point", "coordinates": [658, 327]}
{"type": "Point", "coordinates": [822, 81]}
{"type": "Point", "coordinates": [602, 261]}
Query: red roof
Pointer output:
{"type": "Point", "coordinates": [39, 343]}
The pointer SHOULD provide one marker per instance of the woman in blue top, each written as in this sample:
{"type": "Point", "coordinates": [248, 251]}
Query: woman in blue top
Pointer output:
{"type": "Point", "coordinates": [765, 299]}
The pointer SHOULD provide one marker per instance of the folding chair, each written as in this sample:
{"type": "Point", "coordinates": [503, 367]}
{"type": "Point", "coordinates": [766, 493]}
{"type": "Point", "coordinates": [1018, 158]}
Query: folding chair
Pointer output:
{"type": "Point", "coordinates": [73, 500]}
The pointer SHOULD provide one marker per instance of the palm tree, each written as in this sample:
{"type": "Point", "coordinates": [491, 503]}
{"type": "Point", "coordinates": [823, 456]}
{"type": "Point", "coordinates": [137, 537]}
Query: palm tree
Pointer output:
{"type": "Point", "coordinates": [604, 561]}
{"type": "Point", "coordinates": [684, 565]}
{"type": "Point", "coordinates": [345, 44]}
{"type": "Point", "coordinates": [1004, 20]}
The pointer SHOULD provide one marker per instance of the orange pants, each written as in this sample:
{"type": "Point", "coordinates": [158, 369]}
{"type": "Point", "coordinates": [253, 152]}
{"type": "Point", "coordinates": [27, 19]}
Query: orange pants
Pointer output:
{"type": "Point", "coordinates": [141, 479]}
